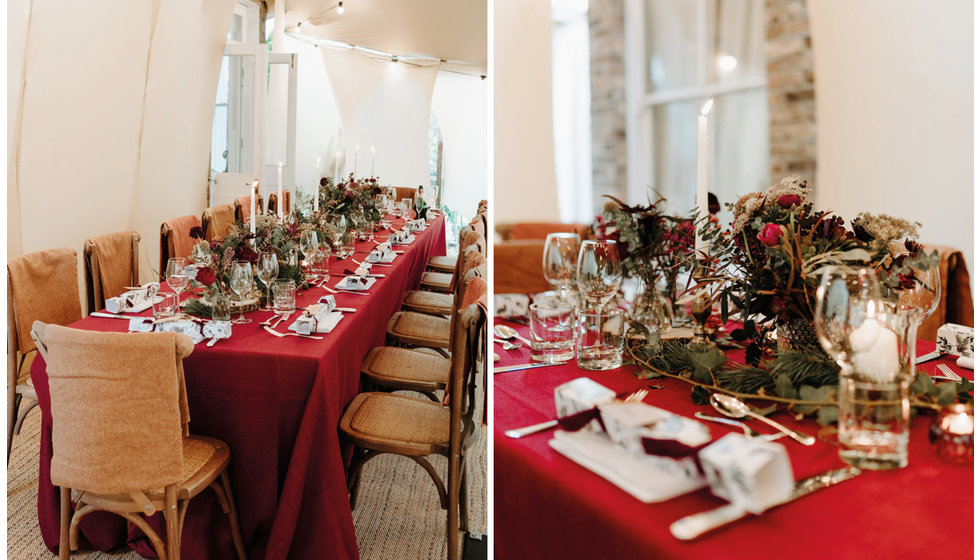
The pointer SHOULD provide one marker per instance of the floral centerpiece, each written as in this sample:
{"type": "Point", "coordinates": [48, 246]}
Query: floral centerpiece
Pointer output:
{"type": "Point", "coordinates": [351, 198]}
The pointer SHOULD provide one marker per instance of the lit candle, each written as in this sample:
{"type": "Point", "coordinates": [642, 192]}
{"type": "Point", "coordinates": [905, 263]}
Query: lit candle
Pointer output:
{"type": "Point", "coordinates": [357, 148]}
{"type": "Point", "coordinates": [279, 189]}
{"type": "Point", "coordinates": [336, 169]}
{"type": "Point", "coordinates": [953, 431]}
{"type": "Point", "coordinates": [316, 185]}
{"type": "Point", "coordinates": [372, 161]}
{"type": "Point", "coordinates": [700, 245]}
{"type": "Point", "coordinates": [961, 423]}
{"type": "Point", "coordinates": [875, 351]}
{"type": "Point", "coordinates": [255, 185]}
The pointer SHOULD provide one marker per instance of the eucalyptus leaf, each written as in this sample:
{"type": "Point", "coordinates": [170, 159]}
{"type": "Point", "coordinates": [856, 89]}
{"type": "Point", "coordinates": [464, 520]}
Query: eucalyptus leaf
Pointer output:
{"type": "Point", "coordinates": [785, 387]}
{"type": "Point", "coordinates": [947, 394]}
{"type": "Point", "coordinates": [827, 415]}
{"type": "Point", "coordinates": [817, 394]}
{"type": "Point", "coordinates": [924, 385]}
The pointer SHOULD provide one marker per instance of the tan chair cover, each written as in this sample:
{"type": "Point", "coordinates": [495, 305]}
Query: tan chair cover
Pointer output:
{"type": "Point", "coordinates": [405, 192]}
{"type": "Point", "coordinates": [471, 260]}
{"type": "Point", "coordinates": [473, 238]}
{"type": "Point", "coordinates": [274, 201]}
{"type": "Point", "coordinates": [111, 262]}
{"type": "Point", "coordinates": [217, 220]}
{"type": "Point", "coordinates": [243, 207]}
{"type": "Point", "coordinates": [540, 230]}
{"type": "Point", "coordinates": [476, 292]}
{"type": "Point", "coordinates": [180, 242]}
{"type": "Point", "coordinates": [517, 267]}
{"type": "Point", "coordinates": [479, 226]}
{"type": "Point", "coordinates": [44, 287]}
{"type": "Point", "coordinates": [955, 300]}
{"type": "Point", "coordinates": [117, 406]}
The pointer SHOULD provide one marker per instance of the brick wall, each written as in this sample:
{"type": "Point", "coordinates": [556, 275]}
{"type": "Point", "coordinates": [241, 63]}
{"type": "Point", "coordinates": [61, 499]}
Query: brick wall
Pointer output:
{"type": "Point", "coordinates": [792, 113]}
{"type": "Point", "coordinates": [607, 73]}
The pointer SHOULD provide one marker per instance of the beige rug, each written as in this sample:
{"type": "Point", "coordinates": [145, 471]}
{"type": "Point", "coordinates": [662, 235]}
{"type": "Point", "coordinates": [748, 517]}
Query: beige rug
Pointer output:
{"type": "Point", "coordinates": [397, 515]}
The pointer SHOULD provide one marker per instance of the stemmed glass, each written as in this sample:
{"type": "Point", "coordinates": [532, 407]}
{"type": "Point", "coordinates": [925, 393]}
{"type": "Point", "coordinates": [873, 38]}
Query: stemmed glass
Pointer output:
{"type": "Point", "coordinates": [268, 271]}
{"type": "Point", "coordinates": [241, 283]}
{"type": "Point", "coordinates": [915, 299]}
{"type": "Point", "coordinates": [560, 254]}
{"type": "Point", "coordinates": [396, 210]}
{"type": "Point", "coordinates": [309, 243]}
{"type": "Point", "coordinates": [846, 300]}
{"type": "Point", "coordinates": [177, 277]}
{"type": "Point", "coordinates": [599, 272]}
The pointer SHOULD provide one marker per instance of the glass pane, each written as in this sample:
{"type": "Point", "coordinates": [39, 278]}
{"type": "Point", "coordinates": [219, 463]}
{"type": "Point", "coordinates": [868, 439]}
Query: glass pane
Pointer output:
{"type": "Point", "coordinates": [235, 32]}
{"type": "Point", "coordinates": [671, 44]}
{"type": "Point", "coordinates": [738, 46]}
{"type": "Point", "coordinates": [738, 146]}
{"type": "Point", "coordinates": [675, 148]}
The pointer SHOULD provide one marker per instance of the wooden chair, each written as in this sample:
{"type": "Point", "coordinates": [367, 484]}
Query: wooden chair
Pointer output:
{"type": "Point", "coordinates": [243, 208]}
{"type": "Point", "coordinates": [442, 281]}
{"type": "Point", "coordinates": [517, 267]}
{"type": "Point", "coordinates": [413, 329]}
{"type": "Point", "coordinates": [955, 296]}
{"type": "Point", "coordinates": [379, 423]}
{"type": "Point", "coordinates": [176, 240]}
{"type": "Point", "coordinates": [406, 192]}
{"type": "Point", "coordinates": [111, 264]}
{"type": "Point", "coordinates": [440, 303]}
{"type": "Point", "coordinates": [447, 263]}
{"type": "Point", "coordinates": [216, 221]}
{"type": "Point", "coordinates": [40, 286]}
{"type": "Point", "coordinates": [274, 203]}
{"type": "Point", "coordinates": [119, 433]}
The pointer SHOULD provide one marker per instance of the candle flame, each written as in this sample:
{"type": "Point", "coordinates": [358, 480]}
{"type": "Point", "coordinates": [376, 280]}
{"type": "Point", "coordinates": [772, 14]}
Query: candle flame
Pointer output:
{"type": "Point", "coordinates": [706, 108]}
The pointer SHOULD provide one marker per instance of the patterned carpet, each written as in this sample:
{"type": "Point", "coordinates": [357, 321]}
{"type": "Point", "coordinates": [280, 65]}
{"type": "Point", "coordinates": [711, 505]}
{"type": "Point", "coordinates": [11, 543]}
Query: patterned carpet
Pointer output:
{"type": "Point", "coordinates": [397, 514]}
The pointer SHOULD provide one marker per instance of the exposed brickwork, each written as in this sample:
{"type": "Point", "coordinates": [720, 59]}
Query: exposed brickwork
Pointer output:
{"type": "Point", "coordinates": [792, 108]}
{"type": "Point", "coordinates": [607, 73]}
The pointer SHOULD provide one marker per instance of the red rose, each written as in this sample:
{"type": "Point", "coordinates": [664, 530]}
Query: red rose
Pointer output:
{"type": "Point", "coordinates": [788, 200]}
{"type": "Point", "coordinates": [206, 276]}
{"type": "Point", "coordinates": [770, 235]}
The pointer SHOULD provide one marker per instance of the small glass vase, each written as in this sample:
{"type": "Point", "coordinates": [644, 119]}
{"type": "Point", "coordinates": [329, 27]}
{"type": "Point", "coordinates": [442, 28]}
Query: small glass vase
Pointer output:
{"type": "Point", "coordinates": [220, 306]}
{"type": "Point", "coordinates": [651, 310]}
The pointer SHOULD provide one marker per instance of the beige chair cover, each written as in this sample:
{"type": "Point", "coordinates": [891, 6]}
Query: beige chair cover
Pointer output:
{"type": "Point", "coordinates": [117, 407]}
{"type": "Point", "coordinates": [44, 287]}
{"type": "Point", "coordinates": [217, 220]}
{"type": "Point", "coordinates": [955, 300]}
{"type": "Point", "coordinates": [111, 264]}
{"type": "Point", "coordinates": [274, 203]}
{"type": "Point", "coordinates": [176, 240]}
{"type": "Point", "coordinates": [517, 267]}
{"type": "Point", "coordinates": [243, 207]}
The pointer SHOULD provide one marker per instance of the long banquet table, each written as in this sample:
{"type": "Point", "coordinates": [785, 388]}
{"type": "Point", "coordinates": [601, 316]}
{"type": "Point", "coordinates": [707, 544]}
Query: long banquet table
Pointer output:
{"type": "Point", "coordinates": [276, 402]}
{"type": "Point", "coordinates": [547, 506]}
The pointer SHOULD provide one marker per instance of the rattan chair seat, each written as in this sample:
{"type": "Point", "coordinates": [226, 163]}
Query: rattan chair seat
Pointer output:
{"type": "Point", "coordinates": [437, 281]}
{"type": "Point", "coordinates": [419, 329]}
{"type": "Point", "coordinates": [443, 264]}
{"type": "Point", "coordinates": [382, 418]}
{"type": "Point", "coordinates": [425, 301]}
{"type": "Point", "coordinates": [403, 368]}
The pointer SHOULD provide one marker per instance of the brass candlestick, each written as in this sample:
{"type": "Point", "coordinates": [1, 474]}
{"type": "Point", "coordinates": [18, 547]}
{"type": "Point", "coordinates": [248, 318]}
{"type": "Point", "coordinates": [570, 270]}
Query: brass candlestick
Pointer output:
{"type": "Point", "coordinates": [700, 307]}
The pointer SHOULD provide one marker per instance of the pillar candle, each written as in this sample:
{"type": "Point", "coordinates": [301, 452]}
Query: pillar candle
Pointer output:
{"type": "Point", "coordinates": [357, 148]}
{"type": "Point", "coordinates": [251, 189]}
{"type": "Point", "coordinates": [279, 189]}
{"type": "Point", "coordinates": [372, 161]}
{"type": "Point", "coordinates": [701, 245]}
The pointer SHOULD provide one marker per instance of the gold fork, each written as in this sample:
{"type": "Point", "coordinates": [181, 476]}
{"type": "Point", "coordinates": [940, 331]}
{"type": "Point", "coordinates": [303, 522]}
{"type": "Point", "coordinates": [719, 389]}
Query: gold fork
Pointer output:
{"type": "Point", "coordinates": [518, 433]}
{"type": "Point", "coordinates": [950, 374]}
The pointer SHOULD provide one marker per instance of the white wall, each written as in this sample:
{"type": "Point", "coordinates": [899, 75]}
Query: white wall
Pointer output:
{"type": "Point", "coordinates": [460, 105]}
{"type": "Point", "coordinates": [524, 154]}
{"type": "Point", "coordinates": [894, 93]}
{"type": "Point", "coordinates": [116, 129]}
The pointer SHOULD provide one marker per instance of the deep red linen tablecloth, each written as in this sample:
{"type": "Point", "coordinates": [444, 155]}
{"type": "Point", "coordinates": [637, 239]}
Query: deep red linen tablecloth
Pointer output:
{"type": "Point", "coordinates": [547, 506]}
{"type": "Point", "coordinates": [277, 403]}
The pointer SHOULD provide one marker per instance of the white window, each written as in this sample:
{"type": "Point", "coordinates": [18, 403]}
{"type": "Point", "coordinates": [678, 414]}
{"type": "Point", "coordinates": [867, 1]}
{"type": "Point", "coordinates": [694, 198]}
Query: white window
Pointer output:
{"type": "Point", "coordinates": [679, 54]}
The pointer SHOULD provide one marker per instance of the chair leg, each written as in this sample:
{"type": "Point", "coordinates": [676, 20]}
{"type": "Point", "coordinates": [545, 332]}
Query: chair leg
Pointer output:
{"type": "Point", "coordinates": [25, 406]}
{"type": "Point", "coordinates": [12, 403]}
{"type": "Point", "coordinates": [463, 502]}
{"type": "Point", "coordinates": [452, 515]}
{"type": "Point", "coordinates": [361, 456]}
{"type": "Point", "coordinates": [236, 529]}
{"type": "Point", "coordinates": [443, 495]}
{"type": "Point", "coordinates": [64, 545]}
{"type": "Point", "coordinates": [170, 516]}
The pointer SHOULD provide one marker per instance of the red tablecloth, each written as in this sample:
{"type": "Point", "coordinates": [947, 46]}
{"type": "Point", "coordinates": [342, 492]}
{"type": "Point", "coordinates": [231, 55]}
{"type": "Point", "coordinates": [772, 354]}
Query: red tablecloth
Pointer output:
{"type": "Point", "coordinates": [277, 403]}
{"type": "Point", "coordinates": [546, 506]}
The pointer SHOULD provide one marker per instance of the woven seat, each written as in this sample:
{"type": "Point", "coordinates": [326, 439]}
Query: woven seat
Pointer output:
{"type": "Point", "coordinates": [442, 264]}
{"type": "Point", "coordinates": [379, 423]}
{"type": "Point", "coordinates": [403, 368]}
{"type": "Point", "coordinates": [419, 329]}
{"type": "Point", "coordinates": [119, 433]}
{"type": "Point", "coordinates": [432, 303]}
{"type": "Point", "coordinates": [437, 281]}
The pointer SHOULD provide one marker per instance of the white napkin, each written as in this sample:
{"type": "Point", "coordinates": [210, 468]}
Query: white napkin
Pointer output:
{"type": "Point", "coordinates": [648, 478]}
{"type": "Point", "coordinates": [134, 301]}
{"type": "Point", "coordinates": [355, 283]}
{"type": "Point", "coordinates": [316, 319]}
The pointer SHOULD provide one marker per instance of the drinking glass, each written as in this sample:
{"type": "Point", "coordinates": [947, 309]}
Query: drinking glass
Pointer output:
{"type": "Point", "coordinates": [560, 253]}
{"type": "Point", "coordinates": [552, 332]}
{"type": "Point", "coordinates": [407, 208]}
{"type": "Point", "coordinates": [855, 327]}
{"type": "Point", "coordinates": [600, 338]}
{"type": "Point", "coordinates": [599, 272]}
{"type": "Point", "coordinates": [164, 305]}
{"type": "Point", "coordinates": [309, 243]}
{"type": "Point", "coordinates": [916, 299]}
{"type": "Point", "coordinates": [241, 283]}
{"type": "Point", "coordinates": [349, 240]}
{"type": "Point", "coordinates": [284, 296]}
{"type": "Point", "coordinates": [177, 277]}
{"type": "Point", "coordinates": [396, 210]}
{"type": "Point", "coordinates": [268, 271]}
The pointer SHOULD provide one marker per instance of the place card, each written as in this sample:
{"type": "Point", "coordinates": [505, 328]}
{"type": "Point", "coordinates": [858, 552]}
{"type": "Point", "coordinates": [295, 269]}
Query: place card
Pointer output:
{"type": "Point", "coordinates": [753, 474]}
{"type": "Point", "coordinates": [329, 302]}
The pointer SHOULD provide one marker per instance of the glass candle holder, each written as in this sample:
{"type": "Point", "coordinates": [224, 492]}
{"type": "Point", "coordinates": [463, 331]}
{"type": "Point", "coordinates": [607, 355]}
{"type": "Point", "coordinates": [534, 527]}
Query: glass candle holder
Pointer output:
{"type": "Point", "coordinates": [952, 433]}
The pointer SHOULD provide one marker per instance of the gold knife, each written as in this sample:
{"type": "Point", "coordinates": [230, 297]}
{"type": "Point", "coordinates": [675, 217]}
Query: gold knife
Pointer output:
{"type": "Point", "coordinates": [693, 526]}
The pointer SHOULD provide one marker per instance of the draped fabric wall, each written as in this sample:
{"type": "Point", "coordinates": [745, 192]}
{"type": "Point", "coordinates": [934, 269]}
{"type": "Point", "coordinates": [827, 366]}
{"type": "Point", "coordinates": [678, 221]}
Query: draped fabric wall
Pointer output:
{"type": "Point", "coordinates": [115, 118]}
{"type": "Point", "coordinates": [371, 95]}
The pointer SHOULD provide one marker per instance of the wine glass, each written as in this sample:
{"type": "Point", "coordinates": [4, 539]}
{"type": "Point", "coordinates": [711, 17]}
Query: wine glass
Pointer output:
{"type": "Point", "coordinates": [847, 300]}
{"type": "Point", "coordinates": [396, 210]}
{"type": "Point", "coordinates": [599, 272]}
{"type": "Point", "coordinates": [559, 256]}
{"type": "Point", "coordinates": [915, 294]}
{"type": "Point", "coordinates": [176, 276]}
{"type": "Point", "coordinates": [241, 283]}
{"type": "Point", "coordinates": [309, 243]}
{"type": "Point", "coordinates": [268, 271]}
